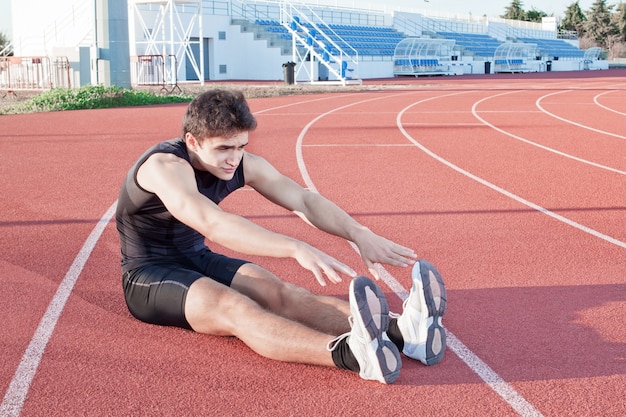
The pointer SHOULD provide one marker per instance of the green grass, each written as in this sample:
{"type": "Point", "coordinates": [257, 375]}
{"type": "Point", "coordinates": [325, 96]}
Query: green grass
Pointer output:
{"type": "Point", "coordinates": [91, 97]}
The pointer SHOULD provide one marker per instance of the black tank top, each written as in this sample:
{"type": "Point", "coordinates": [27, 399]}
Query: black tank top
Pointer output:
{"type": "Point", "coordinates": [148, 232]}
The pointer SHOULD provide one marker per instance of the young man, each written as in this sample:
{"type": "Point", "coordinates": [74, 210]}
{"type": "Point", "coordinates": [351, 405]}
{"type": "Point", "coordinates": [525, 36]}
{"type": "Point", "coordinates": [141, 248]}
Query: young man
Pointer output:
{"type": "Point", "coordinates": [168, 206]}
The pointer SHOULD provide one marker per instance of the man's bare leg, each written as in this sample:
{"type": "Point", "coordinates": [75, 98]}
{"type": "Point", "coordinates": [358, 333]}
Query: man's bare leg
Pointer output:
{"type": "Point", "coordinates": [215, 309]}
{"type": "Point", "coordinates": [326, 314]}
{"type": "Point", "coordinates": [219, 310]}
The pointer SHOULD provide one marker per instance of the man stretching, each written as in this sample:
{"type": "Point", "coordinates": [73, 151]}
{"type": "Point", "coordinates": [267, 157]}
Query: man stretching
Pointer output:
{"type": "Point", "coordinates": [168, 208]}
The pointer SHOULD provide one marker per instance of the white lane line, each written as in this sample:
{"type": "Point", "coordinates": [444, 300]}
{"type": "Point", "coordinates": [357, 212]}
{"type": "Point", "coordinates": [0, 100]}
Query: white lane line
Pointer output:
{"type": "Point", "coordinates": [529, 142]}
{"type": "Point", "coordinates": [359, 145]}
{"type": "Point", "coordinates": [304, 101]}
{"type": "Point", "coordinates": [484, 371]}
{"type": "Point", "coordinates": [603, 132]}
{"type": "Point", "coordinates": [509, 194]}
{"type": "Point", "coordinates": [595, 100]}
{"type": "Point", "coordinates": [491, 378]}
{"type": "Point", "coordinates": [18, 388]}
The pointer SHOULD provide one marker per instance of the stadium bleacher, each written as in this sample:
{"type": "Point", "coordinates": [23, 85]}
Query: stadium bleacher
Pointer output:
{"type": "Point", "coordinates": [473, 43]}
{"type": "Point", "coordinates": [555, 48]}
{"type": "Point", "coordinates": [366, 40]}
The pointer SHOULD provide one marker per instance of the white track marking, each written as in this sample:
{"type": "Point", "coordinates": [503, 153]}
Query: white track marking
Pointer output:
{"type": "Point", "coordinates": [298, 103]}
{"type": "Point", "coordinates": [18, 388]}
{"type": "Point", "coordinates": [545, 148]}
{"type": "Point", "coordinates": [484, 371]}
{"type": "Point", "coordinates": [538, 103]}
{"type": "Point", "coordinates": [300, 158]}
{"type": "Point", "coordinates": [359, 145]}
{"type": "Point", "coordinates": [494, 187]}
{"type": "Point", "coordinates": [595, 100]}
{"type": "Point", "coordinates": [491, 378]}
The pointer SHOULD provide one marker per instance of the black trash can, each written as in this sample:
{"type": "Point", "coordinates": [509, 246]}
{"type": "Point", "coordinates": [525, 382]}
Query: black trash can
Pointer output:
{"type": "Point", "coordinates": [289, 72]}
{"type": "Point", "coordinates": [548, 65]}
{"type": "Point", "coordinates": [487, 67]}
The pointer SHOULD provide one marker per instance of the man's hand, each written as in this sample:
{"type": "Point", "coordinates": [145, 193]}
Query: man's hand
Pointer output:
{"type": "Point", "coordinates": [377, 249]}
{"type": "Point", "coordinates": [321, 264]}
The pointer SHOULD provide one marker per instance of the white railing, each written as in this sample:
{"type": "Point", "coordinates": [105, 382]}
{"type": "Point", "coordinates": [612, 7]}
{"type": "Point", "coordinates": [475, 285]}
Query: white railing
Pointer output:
{"type": "Point", "coordinates": [34, 73]}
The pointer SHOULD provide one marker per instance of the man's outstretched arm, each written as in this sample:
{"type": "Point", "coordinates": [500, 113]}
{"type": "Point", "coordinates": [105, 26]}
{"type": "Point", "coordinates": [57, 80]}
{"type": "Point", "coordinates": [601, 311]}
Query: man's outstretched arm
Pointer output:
{"type": "Point", "coordinates": [325, 215]}
{"type": "Point", "coordinates": [172, 179]}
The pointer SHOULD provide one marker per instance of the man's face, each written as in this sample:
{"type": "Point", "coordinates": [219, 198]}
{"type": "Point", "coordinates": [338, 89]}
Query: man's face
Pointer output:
{"type": "Point", "coordinates": [217, 155]}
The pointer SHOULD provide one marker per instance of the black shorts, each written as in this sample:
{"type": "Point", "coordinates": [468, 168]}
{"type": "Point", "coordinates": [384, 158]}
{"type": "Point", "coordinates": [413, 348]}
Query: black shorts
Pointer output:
{"type": "Point", "coordinates": [156, 293]}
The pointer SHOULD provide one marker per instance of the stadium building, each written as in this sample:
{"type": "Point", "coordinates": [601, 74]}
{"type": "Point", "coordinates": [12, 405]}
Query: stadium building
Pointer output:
{"type": "Point", "coordinates": [167, 42]}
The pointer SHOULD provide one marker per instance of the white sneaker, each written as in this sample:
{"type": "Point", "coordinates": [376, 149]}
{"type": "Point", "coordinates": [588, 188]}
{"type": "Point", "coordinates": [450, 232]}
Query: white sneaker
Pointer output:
{"type": "Point", "coordinates": [378, 358]}
{"type": "Point", "coordinates": [420, 322]}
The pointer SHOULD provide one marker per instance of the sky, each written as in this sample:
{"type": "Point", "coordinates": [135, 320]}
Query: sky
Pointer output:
{"type": "Point", "coordinates": [492, 8]}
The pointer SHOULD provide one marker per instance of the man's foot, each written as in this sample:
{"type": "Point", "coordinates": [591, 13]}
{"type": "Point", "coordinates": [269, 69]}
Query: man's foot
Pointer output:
{"type": "Point", "coordinates": [378, 358]}
{"type": "Point", "coordinates": [420, 323]}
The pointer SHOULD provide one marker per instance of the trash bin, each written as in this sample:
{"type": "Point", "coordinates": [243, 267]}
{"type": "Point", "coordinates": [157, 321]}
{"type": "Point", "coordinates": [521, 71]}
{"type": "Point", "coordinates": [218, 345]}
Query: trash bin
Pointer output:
{"type": "Point", "coordinates": [548, 65]}
{"type": "Point", "coordinates": [487, 67]}
{"type": "Point", "coordinates": [289, 71]}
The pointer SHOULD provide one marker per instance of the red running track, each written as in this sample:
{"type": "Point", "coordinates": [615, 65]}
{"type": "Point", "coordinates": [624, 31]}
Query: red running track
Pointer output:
{"type": "Point", "coordinates": [513, 185]}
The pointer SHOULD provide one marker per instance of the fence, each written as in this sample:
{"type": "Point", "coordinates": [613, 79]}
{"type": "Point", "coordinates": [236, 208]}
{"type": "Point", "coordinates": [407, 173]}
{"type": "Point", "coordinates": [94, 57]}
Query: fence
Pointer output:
{"type": "Point", "coordinates": [34, 73]}
{"type": "Point", "coordinates": [155, 70]}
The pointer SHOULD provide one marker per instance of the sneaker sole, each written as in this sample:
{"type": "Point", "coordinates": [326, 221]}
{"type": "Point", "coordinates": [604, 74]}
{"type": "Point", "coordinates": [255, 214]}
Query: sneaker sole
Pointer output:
{"type": "Point", "coordinates": [435, 296]}
{"type": "Point", "coordinates": [365, 294]}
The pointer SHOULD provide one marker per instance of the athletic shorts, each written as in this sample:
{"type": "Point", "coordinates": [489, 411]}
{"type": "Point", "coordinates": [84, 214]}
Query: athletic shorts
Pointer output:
{"type": "Point", "coordinates": [156, 293]}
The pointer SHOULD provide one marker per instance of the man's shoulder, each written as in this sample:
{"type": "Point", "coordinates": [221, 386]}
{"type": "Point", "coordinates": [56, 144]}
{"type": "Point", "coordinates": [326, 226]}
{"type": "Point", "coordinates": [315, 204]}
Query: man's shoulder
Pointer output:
{"type": "Point", "coordinates": [166, 150]}
{"type": "Point", "coordinates": [175, 146]}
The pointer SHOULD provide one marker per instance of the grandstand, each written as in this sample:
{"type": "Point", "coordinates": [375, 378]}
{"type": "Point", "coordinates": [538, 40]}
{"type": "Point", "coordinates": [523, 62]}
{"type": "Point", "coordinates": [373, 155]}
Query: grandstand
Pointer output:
{"type": "Point", "coordinates": [555, 48]}
{"type": "Point", "coordinates": [197, 40]}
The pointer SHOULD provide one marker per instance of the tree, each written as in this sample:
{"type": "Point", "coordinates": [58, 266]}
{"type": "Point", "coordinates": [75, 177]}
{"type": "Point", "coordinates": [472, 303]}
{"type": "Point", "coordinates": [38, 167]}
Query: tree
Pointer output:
{"type": "Point", "coordinates": [4, 42]}
{"type": "Point", "coordinates": [574, 19]}
{"type": "Point", "coordinates": [534, 15]}
{"type": "Point", "coordinates": [600, 27]}
{"type": "Point", "coordinates": [619, 18]}
{"type": "Point", "coordinates": [514, 11]}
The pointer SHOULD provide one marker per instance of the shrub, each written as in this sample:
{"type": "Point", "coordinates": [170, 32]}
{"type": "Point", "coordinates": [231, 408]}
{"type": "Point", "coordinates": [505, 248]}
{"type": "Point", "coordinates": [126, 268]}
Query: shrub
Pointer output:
{"type": "Point", "coordinates": [91, 97]}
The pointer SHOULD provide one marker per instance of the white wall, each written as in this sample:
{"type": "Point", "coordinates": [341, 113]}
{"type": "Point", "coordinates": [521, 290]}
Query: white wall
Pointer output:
{"type": "Point", "coordinates": [41, 25]}
{"type": "Point", "coordinates": [245, 58]}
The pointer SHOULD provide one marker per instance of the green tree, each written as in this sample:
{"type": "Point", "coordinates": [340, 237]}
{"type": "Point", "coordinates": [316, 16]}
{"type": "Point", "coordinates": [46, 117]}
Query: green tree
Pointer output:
{"type": "Point", "coordinates": [514, 11]}
{"type": "Point", "coordinates": [4, 42]}
{"type": "Point", "coordinates": [574, 18]}
{"type": "Point", "coordinates": [600, 26]}
{"type": "Point", "coordinates": [534, 15]}
{"type": "Point", "coordinates": [619, 18]}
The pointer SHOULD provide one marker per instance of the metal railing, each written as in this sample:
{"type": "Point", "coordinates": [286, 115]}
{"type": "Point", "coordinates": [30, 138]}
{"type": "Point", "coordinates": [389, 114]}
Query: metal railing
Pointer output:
{"type": "Point", "coordinates": [156, 71]}
{"type": "Point", "coordinates": [34, 73]}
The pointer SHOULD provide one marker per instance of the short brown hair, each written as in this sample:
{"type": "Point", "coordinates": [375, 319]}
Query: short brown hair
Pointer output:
{"type": "Point", "coordinates": [218, 113]}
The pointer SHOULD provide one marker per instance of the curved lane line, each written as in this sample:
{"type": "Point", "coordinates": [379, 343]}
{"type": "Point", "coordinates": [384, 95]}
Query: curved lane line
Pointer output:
{"type": "Point", "coordinates": [545, 148]}
{"type": "Point", "coordinates": [491, 378]}
{"type": "Point", "coordinates": [512, 196]}
{"type": "Point", "coordinates": [18, 388]}
{"type": "Point", "coordinates": [595, 100]}
{"type": "Point", "coordinates": [300, 102]}
{"type": "Point", "coordinates": [593, 129]}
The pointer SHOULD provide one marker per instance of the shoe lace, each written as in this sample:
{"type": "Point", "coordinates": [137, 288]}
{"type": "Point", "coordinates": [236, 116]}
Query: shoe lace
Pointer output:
{"type": "Point", "coordinates": [397, 315]}
{"type": "Point", "coordinates": [332, 345]}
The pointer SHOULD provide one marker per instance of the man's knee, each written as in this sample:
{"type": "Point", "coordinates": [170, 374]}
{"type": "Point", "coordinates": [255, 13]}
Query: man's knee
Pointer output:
{"type": "Point", "coordinates": [215, 309]}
